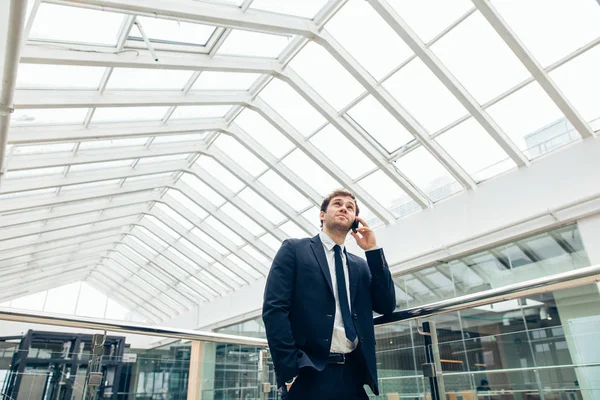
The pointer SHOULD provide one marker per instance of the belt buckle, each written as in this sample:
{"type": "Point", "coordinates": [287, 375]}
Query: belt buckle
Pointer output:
{"type": "Point", "coordinates": [343, 361]}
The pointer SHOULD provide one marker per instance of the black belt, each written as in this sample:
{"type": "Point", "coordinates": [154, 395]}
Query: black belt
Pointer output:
{"type": "Point", "coordinates": [338, 358]}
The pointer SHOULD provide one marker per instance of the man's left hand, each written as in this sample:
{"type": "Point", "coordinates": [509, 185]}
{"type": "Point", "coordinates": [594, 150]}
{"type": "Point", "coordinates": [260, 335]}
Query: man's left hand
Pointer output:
{"type": "Point", "coordinates": [364, 236]}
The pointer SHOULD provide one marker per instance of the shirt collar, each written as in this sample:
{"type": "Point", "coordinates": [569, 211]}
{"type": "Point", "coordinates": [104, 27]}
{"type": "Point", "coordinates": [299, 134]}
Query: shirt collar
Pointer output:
{"type": "Point", "coordinates": [328, 242]}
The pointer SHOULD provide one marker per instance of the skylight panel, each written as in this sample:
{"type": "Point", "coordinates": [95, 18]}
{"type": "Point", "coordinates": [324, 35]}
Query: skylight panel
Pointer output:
{"type": "Point", "coordinates": [261, 205]}
{"type": "Point", "coordinates": [305, 8]}
{"type": "Point", "coordinates": [263, 132]}
{"type": "Point", "coordinates": [421, 168]}
{"type": "Point", "coordinates": [242, 156]}
{"type": "Point", "coordinates": [312, 215]}
{"type": "Point", "coordinates": [428, 18]}
{"type": "Point", "coordinates": [529, 117]}
{"type": "Point", "coordinates": [164, 228]}
{"type": "Point", "coordinates": [209, 241]}
{"type": "Point", "coordinates": [292, 107]}
{"type": "Point", "coordinates": [220, 173]}
{"type": "Point", "coordinates": [91, 185]}
{"type": "Point", "coordinates": [380, 124]}
{"type": "Point", "coordinates": [61, 299]}
{"type": "Point", "coordinates": [44, 148]}
{"type": "Point", "coordinates": [257, 255]}
{"type": "Point", "coordinates": [475, 150]}
{"type": "Point", "coordinates": [310, 172]}
{"type": "Point", "coordinates": [113, 143]}
{"type": "Point", "coordinates": [254, 44]}
{"type": "Point", "coordinates": [48, 116]}
{"type": "Point", "coordinates": [234, 213]}
{"type": "Point", "coordinates": [31, 173]}
{"type": "Point", "coordinates": [202, 189]}
{"type": "Point", "coordinates": [388, 194]}
{"type": "Point", "coordinates": [214, 80]}
{"type": "Point", "coordinates": [195, 250]}
{"type": "Point", "coordinates": [360, 42]}
{"type": "Point", "coordinates": [324, 74]}
{"type": "Point", "coordinates": [150, 177]}
{"type": "Point", "coordinates": [284, 190]}
{"type": "Point", "coordinates": [420, 92]}
{"type": "Point", "coordinates": [128, 114]}
{"type": "Point", "coordinates": [244, 266]}
{"type": "Point", "coordinates": [174, 215]}
{"type": "Point", "coordinates": [564, 25]}
{"type": "Point", "coordinates": [162, 159]}
{"type": "Point", "coordinates": [224, 230]}
{"type": "Point", "coordinates": [271, 241]}
{"type": "Point", "coordinates": [178, 138]}
{"type": "Point", "coordinates": [76, 25]}
{"type": "Point", "coordinates": [171, 31]}
{"type": "Point", "coordinates": [100, 165]}
{"type": "Point", "coordinates": [194, 112]}
{"type": "Point", "coordinates": [293, 230]}
{"type": "Point", "coordinates": [36, 76]}
{"type": "Point", "coordinates": [187, 203]}
{"type": "Point", "coordinates": [578, 80]}
{"type": "Point", "coordinates": [478, 57]}
{"type": "Point", "coordinates": [147, 79]}
{"type": "Point", "coordinates": [342, 152]}
{"type": "Point", "coordinates": [225, 271]}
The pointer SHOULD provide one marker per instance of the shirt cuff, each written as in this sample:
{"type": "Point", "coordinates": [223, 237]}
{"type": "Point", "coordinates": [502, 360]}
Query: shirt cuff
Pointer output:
{"type": "Point", "coordinates": [374, 248]}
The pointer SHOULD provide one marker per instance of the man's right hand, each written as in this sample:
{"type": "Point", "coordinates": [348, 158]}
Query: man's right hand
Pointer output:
{"type": "Point", "coordinates": [288, 385]}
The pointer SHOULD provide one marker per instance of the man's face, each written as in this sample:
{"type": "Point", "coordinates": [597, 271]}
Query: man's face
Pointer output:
{"type": "Point", "coordinates": [340, 214]}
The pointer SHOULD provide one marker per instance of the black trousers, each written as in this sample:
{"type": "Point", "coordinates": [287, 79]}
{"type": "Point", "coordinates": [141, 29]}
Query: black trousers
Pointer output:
{"type": "Point", "coordinates": [335, 382]}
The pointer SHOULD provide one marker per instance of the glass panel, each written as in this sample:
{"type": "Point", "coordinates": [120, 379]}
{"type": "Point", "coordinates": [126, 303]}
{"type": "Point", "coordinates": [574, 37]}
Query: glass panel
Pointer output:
{"type": "Point", "coordinates": [100, 165]}
{"type": "Point", "coordinates": [293, 230]}
{"type": "Point", "coordinates": [172, 31]}
{"type": "Point", "coordinates": [535, 130]}
{"type": "Point", "coordinates": [238, 216]}
{"type": "Point", "coordinates": [213, 80]}
{"type": "Point", "coordinates": [197, 233]}
{"type": "Point", "coordinates": [291, 106]}
{"type": "Point", "coordinates": [193, 112]}
{"type": "Point", "coordinates": [49, 116]}
{"type": "Point", "coordinates": [220, 173]}
{"type": "Point", "coordinates": [240, 154]}
{"type": "Point", "coordinates": [284, 190]}
{"type": "Point", "coordinates": [420, 167]}
{"type": "Point", "coordinates": [566, 25]}
{"type": "Point", "coordinates": [324, 74]}
{"type": "Point", "coordinates": [263, 132]}
{"type": "Point", "coordinates": [195, 250]}
{"type": "Point", "coordinates": [151, 177]}
{"type": "Point", "coordinates": [224, 230]}
{"type": "Point", "coordinates": [380, 124]}
{"type": "Point", "coordinates": [428, 24]}
{"type": "Point", "coordinates": [203, 189]}
{"type": "Point", "coordinates": [388, 194]}
{"type": "Point", "coordinates": [360, 42]}
{"type": "Point", "coordinates": [233, 278]}
{"type": "Point", "coordinates": [178, 138]}
{"type": "Point", "coordinates": [257, 255]}
{"type": "Point", "coordinates": [312, 215]}
{"type": "Point", "coordinates": [435, 110]}
{"type": "Point", "coordinates": [31, 173]}
{"type": "Point", "coordinates": [578, 80]}
{"type": "Point", "coordinates": [342, 152]}
{"type": "Point", "coordinates": [311, 172]}
{"type": "Point", "coordinates": [112, 143]}
{"type": "Point", "coordinates": [244, 266]}
{"type": "Point", "coordinates": [271, 241]}
{"type": "Point", "coordinates": [162, 159]}
{"type": "Point", "coordinates": [76, 25]}
{"type": "Point", "coordinates": [128, 114]}
{"type": "Point", "coordinates": [261, 205]}
{"type": "Point", "coordinates": [174, 215]}
{"type": "Point", "coordinates": [475, 150]}
{"type": "Point", "coordinates": [478, 57]}
{"type": "Point", "coordinates": [305, 8]}
{"type": "Point", "coordinates": [35, 76]}
{"type": "Point", "coordinates": [44, 148]}
{"type": "Point", "coordinates": [91, 185]}
{"type": "Point", "coordinates": [187, 203]}
{"type": "Point", "coordinates": [254, 44]}
{"type": "Point", "coordinates": [144, 78]}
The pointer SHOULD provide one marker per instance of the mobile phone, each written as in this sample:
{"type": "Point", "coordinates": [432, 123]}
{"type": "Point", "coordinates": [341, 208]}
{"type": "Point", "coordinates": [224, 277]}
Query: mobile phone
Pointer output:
{"type": "Point", "coordinates": [354, 226]}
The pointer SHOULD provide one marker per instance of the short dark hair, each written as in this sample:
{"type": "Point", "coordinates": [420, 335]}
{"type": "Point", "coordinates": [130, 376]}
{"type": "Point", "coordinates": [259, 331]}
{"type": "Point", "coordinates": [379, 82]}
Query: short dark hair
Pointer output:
{"type": "Point", "coordinates": [336, 193]}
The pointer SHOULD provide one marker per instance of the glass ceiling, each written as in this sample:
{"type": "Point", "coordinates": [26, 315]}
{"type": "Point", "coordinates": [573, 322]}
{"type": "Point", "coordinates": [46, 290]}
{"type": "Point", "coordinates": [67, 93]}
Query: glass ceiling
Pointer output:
{"type": "Point", "coordinates": [181, 176]}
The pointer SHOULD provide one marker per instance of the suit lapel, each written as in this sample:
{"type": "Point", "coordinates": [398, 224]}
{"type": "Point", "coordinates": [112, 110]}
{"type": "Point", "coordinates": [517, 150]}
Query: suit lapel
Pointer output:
{"type": "Point", "coordinates": [317, 248]}
{"type": "Point", "coordinates": [352, 277]}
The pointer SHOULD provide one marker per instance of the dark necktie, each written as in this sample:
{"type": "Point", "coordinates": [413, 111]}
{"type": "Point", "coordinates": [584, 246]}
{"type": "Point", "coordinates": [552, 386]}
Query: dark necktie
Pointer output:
{"type": "Point", "coordinates": [343, 295]}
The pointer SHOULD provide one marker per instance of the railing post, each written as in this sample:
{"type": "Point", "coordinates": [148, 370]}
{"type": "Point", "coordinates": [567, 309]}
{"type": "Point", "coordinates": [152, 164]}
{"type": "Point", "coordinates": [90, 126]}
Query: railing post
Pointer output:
{"type": "Point", "coordinates": [432, 354]}
{"type": "Point", "coordinates": [194, 390]}
{"type": "Point", "coordinates": [263, 372]}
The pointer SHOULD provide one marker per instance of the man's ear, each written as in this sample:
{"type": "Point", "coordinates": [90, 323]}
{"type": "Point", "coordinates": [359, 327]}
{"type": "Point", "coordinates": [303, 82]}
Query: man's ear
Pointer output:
{"type": "Point", "coordinates": [321, 215]}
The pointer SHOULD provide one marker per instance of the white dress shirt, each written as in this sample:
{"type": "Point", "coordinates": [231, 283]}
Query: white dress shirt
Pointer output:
{"type": "Point", "coordinates": [339, 342]}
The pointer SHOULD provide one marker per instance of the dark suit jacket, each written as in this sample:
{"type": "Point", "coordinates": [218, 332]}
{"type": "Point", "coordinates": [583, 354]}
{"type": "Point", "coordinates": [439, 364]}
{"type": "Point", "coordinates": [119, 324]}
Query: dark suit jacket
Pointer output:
{"type": "Point", "coordinates": [299, 306]}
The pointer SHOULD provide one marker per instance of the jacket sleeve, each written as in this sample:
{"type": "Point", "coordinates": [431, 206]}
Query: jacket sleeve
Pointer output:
{"type": "Point", "coordinates": [383, 293]}
{"type": "Point", "coordinates": [277, 303]}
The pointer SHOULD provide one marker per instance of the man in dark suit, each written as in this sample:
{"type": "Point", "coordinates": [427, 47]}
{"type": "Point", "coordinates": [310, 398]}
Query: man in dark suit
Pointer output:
{"type": "Point", "coordinates": [318, 308]}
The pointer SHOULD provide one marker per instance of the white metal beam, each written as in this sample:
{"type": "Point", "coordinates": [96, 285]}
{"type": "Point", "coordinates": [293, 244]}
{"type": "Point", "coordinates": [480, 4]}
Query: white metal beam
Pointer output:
{"type": "Point", "coordinates": [537, 71]}
{"type": "Point", "coordinates": [401, 28]}
{"type": "Point", "coordinates": [205, 13]}
{"type": "Point", "coordinates": [186, 62]}
{"type": "Point", "coordinates": [20, 135]}
{"type": "Point", "coordinates": [394, 108]}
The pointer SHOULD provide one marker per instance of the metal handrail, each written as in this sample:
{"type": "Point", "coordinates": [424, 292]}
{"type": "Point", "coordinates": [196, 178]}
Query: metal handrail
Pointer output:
{"type": "Point", "coordinates": [126, 327]}
{"type": "Point", "coordinates": [563, 280]}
